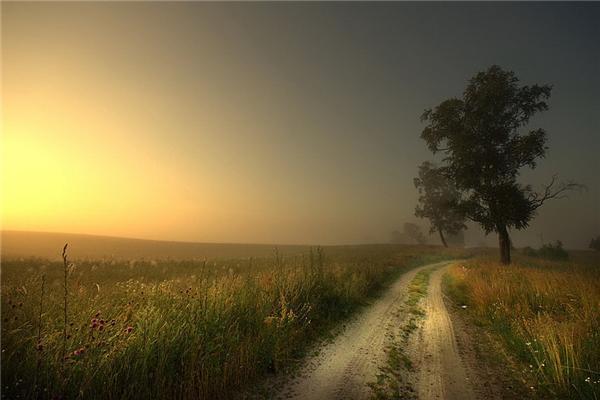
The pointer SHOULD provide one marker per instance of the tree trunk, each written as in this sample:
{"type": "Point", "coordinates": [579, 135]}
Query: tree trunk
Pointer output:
{"type": "Point", "coordinates": [504, 243]}
{"type": "Point", "coordinates": [442, 237]}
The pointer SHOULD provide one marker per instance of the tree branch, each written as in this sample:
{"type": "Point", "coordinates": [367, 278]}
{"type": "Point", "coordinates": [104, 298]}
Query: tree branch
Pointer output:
{"type": "Point", "coordinates": [554, 190]}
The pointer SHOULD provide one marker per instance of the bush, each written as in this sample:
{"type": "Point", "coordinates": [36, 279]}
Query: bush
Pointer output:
{"type": "Point", "coordinates": [553, 251]}
{"type": "Point", "coordinates": [548, 251]}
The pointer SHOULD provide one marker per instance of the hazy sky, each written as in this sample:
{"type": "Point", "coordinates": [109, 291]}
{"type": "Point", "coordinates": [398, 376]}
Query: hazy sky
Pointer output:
{"type": "Point", "coordinates": [272, 122]}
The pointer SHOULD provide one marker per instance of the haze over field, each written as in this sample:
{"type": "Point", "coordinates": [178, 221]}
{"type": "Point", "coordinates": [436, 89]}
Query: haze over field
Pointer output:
{"type": "Point", "coordinates": [269, 200]}
{"type": "Point", "coordinates": [18, 244]}
{"type": "Point", "coordinates": [271, 123]}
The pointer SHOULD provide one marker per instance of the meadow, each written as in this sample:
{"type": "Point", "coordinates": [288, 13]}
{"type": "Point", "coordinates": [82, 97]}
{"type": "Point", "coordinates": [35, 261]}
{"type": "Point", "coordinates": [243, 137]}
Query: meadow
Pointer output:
{"type": "Point", "coordinates": [545, 313]}
{"type": "Point", "coordinates": [160, 328]}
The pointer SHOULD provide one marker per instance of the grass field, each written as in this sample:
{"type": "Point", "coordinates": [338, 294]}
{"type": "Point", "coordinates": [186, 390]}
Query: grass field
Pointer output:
{"type": "Point", "coordinates": [178, 329]}
{"type": "Point", "coordinates": [547, 314]}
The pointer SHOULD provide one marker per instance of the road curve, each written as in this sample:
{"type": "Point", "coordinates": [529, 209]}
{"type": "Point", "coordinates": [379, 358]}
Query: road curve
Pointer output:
{"type": "Point", "coordinates": [344, 368]}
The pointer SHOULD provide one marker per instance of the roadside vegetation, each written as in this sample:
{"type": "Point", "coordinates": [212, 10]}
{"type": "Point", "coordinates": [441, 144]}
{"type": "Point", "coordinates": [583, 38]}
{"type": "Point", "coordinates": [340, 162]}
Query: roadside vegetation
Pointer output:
{"type": "Point", "coordinates": [547, 314]}
{"type": "Point", "coordinates": [178, 329]}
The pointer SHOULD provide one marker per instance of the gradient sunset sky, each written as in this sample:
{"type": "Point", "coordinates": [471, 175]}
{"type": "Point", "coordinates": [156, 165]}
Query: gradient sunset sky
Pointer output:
{"type": "Point", "coordinates": [272, 122]}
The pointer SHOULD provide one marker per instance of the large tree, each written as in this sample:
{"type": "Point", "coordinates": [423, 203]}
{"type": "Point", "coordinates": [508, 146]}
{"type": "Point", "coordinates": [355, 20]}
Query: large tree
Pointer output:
{"type": "Point", "coordinates": [484, 145]}
{"type": "Point", "coordinates": [438, 202]}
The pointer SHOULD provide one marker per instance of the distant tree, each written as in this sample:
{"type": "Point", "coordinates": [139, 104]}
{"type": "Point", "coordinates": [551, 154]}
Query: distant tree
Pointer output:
{"type": "Point", "coordinates": [483, 146]}
{"type": "Point", "coordinates": [414, 232]}
{"type": "Point", "coordinates": [595, 243]}
{"type": "Point", "coordinates": [457, 239]}
{"type": "Point", "coordinates": [438, 201]}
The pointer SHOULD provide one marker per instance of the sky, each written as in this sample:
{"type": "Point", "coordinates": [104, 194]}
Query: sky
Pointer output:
{"type": "Point", "coordinates": [273, 122]}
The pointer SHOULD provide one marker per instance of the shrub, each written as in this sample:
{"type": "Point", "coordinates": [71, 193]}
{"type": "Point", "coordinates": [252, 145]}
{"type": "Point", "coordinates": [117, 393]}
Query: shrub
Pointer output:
{"type": "Point", "coordinates": [553, 251]}
{"type": "Point", "coordinates": [548, 251]}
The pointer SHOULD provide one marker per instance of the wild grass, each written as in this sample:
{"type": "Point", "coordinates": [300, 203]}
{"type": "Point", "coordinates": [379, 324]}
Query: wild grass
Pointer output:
{"type": "Point", "coordinates": [547, 313]}
{"type": "Point", "coordinates": [177, 329]}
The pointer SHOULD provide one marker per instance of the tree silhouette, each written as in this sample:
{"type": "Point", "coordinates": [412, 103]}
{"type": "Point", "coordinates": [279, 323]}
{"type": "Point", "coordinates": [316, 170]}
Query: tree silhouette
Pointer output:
{"type": "Point", "coordinates": [438, 202]}
{"type": "Point", "coordinates": [484, 148]}
{"type": "Point", "coordinates": [595, 243]}
{"type": "Point", "coordinates": [456, 239]}
{"type": "Point", "coordinates": [413, 231]}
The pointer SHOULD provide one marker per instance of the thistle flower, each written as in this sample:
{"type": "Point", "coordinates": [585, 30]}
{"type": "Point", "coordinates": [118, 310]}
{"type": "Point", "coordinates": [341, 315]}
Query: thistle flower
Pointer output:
{"type": "Point", "coordinates": [79, 351]}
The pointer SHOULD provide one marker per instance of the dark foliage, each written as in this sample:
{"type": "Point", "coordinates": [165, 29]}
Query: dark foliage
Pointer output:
{"type": "Point", "coordinates": [484, 146]}
{"type": "Point", "coordinates": [595, 243]}
{"type": "Point", "coordinates": [548, 251]}
{"type": "Point", "coordinates": [414, 232]}
{"type": "Point", "coordinates": [438, 202]}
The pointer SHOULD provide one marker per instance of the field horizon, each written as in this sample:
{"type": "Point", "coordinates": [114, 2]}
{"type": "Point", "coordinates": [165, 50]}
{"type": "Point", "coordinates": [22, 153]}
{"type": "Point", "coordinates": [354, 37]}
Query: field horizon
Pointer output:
{"type": "Point", "coordinates": [19, 243]}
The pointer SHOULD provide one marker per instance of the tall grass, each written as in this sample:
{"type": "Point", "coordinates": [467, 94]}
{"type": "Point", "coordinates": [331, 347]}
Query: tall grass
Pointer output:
{"type": "Point", "coordinates": [548, 314]}
{"type": "Point", "coordinates": [177, 329]}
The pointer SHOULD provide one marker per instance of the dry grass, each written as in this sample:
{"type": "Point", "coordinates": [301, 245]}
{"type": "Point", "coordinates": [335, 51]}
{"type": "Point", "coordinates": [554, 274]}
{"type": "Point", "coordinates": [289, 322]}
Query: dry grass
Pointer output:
{"type": "Point", "coordinates": [548, 314]}
{"type": "Point", "coordinates": [178, 329]}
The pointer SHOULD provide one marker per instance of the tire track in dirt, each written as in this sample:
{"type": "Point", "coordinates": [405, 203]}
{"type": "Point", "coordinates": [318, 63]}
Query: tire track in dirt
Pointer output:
{"type": "Point", "coordinates": [441, 373]}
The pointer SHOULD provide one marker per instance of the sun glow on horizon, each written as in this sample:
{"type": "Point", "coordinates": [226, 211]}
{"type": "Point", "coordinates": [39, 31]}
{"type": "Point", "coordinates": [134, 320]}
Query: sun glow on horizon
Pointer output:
{"type": "Point", "coordinates": [56, 180]}
{"type": "Point", "coordinates": [234, 123]}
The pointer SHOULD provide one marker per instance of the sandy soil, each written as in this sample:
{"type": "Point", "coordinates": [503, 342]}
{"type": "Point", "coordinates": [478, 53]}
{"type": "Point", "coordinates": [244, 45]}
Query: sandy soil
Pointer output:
{"type": "Point", "coordinates": [442, 374]}
{"type": "Point", "coordinates": [344, 368]}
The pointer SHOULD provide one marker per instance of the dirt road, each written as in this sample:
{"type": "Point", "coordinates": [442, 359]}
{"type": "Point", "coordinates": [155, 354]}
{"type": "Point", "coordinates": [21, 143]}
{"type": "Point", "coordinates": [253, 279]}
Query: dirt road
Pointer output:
{"type": "Point", "coordinates": [344, 368]}
{"type": "Point", "coordinates": [441, 372]}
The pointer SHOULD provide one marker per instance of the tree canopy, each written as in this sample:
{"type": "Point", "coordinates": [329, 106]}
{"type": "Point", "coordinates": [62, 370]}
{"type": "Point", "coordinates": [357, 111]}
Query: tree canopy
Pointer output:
{"type": "Point", "coordinates": [484, 145]}
{"type": "Point", "coordinates": [438, 201]}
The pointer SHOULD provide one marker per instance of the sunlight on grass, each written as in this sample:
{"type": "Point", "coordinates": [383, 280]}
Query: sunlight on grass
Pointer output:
{"type": "Point", "coordinates": [546, 312]}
